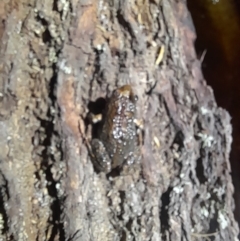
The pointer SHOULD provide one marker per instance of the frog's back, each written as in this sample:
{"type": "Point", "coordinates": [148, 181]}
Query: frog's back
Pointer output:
{"type": "Point", "coordinates": [119, 132]}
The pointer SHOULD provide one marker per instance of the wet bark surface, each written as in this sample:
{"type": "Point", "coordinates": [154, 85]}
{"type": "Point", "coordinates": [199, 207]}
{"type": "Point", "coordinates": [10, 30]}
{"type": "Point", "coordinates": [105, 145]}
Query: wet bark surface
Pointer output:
{"type": "Point", "coordinates": [58, 58]}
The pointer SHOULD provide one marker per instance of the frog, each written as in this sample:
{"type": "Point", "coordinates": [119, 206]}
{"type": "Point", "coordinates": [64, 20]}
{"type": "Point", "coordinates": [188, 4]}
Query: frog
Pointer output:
{"type": "Point", "coordinates": [116, 141]}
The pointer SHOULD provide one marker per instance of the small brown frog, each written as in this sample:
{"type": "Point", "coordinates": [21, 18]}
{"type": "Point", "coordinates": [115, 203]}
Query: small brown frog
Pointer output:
{"type": "Point", "coordinates": [117, 136]}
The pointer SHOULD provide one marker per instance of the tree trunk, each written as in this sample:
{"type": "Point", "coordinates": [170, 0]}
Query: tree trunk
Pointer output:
{"type": "Point", "coordinates": [57, 59]}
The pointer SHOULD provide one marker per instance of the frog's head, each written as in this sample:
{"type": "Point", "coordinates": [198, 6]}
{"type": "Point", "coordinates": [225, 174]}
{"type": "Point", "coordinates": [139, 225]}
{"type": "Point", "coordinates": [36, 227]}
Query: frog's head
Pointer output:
{"type": "Point", "coordinates": [122, 105]}
{"type": "Point", "coordinates": [125, 92]}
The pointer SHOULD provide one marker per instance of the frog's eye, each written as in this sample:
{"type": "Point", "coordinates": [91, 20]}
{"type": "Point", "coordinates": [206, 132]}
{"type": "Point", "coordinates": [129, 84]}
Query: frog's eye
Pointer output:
{"type": "Point", "coordinates": [115, 93]}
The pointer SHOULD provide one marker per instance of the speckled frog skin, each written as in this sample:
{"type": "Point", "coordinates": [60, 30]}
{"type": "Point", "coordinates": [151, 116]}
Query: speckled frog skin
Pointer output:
{"type": "Point", "coordinates": [116, 141]}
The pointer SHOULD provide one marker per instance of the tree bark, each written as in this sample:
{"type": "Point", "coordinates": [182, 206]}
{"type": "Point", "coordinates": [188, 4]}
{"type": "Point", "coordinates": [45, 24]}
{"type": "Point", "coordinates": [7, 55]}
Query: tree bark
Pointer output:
{"type": "Point", "coordinates": [57, 59]}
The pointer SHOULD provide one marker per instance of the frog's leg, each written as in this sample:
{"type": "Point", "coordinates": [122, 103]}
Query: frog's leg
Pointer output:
{"type": "Point", "coordinates": [94, 118]}
{"type": "Point", "coordinates": [101, 158]}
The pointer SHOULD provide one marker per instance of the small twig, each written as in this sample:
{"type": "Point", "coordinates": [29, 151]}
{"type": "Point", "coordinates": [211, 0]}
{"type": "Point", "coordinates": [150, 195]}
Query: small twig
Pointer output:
{"type": "Point", "coordinates": [160, 55]}
{"type": "Point", "coordinates": [203, 55]}
{"type": "Point", "coordinates": [204, 234]}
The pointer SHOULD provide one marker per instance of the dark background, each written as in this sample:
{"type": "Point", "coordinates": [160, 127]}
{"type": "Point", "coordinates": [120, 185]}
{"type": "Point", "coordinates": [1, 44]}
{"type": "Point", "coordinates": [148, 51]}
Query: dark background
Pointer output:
{"type": "Point", "coordinates": [218, 30]}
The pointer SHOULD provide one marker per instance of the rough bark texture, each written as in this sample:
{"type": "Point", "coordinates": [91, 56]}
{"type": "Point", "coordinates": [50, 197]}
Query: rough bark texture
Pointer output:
{"type": "Point", "coordinates": [57, 58]}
